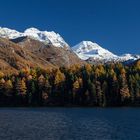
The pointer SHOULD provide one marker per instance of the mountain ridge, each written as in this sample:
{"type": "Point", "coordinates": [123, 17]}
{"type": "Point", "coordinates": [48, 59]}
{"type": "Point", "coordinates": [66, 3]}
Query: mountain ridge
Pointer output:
{"type": "Point", "coordinates": [86, 50]}
{"type": "Point", "coordinates": [43, 36]}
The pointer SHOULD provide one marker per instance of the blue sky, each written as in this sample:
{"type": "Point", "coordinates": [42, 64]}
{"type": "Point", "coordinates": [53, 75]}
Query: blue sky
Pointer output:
{"type": "Point", "coordinates": [113, 24]}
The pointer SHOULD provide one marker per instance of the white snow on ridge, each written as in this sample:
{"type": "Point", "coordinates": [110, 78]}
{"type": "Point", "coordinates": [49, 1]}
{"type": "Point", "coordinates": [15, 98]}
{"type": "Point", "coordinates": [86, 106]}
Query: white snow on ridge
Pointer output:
{"type": "Point", "coordinates": [84, 50]}
{"type": "Point", "coordinates": [87, 49]}
{"type": "Point", "coordinates": [126, 57]}
{"type": "Point", "coordinates": [43, 36]}
{"type": "Point", "coordinates": [9, 33]}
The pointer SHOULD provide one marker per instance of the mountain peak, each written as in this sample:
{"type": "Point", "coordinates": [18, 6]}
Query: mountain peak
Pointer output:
{"type": "Point", "coordinates": [86, 42]}
{"type": "Point", "coordinates": [87, 46]}
{"type": "Point", "coordinates": [44, 36]}
{"type": "Point", "coordinates": [88, 49]}
{"type": "Point", "coordinates": [9, 33]}
{"type": "Point", "coordinates": [32, 29]}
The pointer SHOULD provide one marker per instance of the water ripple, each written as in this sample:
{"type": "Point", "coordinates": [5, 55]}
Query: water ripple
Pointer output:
{"type": "Point", "coordinates": [69, 124]}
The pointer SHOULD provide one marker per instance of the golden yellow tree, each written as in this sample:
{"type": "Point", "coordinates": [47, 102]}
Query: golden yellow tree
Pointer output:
{"type": "Point", "coordinates": [88, 68]}
{"type": "Point", "coordinates": [124, 90]}
{"type": "Point", "coordinates": [77, 84]}
{"type": "Point", "coordinates": [2, 82]}
{"type": "Point", "coordinates": [21, 87]}
{"type": "Point", "coordinates": [33, 74]}
{"type": "Point", "coordinates": [8, 87]}
{"type": "Point", "coordinates": [1, 74]}
{"type": "Point", "coordinates": [41, 81]}
{"type": "Point", "coordinates": [59, 77]}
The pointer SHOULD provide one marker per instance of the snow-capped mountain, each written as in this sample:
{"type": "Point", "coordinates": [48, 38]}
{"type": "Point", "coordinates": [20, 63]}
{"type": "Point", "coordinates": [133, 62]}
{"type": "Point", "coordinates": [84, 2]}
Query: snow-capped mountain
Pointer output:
{"type": "Point", "coordinates": [44, 36]}
{"type": "Point", "coordinates": [126, 57]}
{"type": "Point", "coordinates": [87, 50]}
{"type": "Point", "coordinates": [9, 33]}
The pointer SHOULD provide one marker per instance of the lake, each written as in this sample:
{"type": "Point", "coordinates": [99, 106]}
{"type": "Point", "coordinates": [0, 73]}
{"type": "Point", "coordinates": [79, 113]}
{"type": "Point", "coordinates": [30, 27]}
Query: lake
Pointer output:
{"type": "Point", "coordinates": [69, 123]}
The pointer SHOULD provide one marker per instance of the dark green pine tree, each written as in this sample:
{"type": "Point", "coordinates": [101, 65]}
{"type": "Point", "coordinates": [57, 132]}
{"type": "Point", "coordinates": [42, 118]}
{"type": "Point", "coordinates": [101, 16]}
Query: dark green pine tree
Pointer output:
{"type": "Point", "coordinates": [32, 93]}
{"type": "Point", "coordinates": [92, 93]}
{"type": "Point", "coordinates": [105, 91]}
{"type": "Point", "coordinates": [41, 85]}
{"type": "Point", "coordinates": [114, 89]}
{"type": "Point", "coordinates": [124, 90]}
{"type": "Point", "coordinates": [137, 85]}
{"type": "Point", "coordinates": [131, 84]}
{"type": "Point", "coordinates": [2, 83]}
{"type": "Point", "coordinates": [99, 93]}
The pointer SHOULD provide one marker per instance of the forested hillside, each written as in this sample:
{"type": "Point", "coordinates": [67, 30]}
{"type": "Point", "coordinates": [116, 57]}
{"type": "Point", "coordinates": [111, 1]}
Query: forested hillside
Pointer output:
{"type": "Point", "coordinates": [89, 85]}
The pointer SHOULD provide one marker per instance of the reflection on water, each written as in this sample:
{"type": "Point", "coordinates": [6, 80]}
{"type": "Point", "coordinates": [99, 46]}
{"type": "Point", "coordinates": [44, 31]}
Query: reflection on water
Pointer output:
{"type": "Point", "coordinates": [70, 124]}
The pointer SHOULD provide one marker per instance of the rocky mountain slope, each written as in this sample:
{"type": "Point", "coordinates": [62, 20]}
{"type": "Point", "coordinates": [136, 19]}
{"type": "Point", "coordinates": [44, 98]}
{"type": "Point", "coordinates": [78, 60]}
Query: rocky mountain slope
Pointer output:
{"type": "Point", "coordinates": [13, 57]}
{"type": "Point", "coordinates": [35, 48]}
{"type": "Point", "coordinates": [58, 56]}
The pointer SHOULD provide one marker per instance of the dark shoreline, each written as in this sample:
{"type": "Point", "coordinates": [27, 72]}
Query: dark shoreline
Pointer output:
{"type": "Point", "coordinates": [41, 107]}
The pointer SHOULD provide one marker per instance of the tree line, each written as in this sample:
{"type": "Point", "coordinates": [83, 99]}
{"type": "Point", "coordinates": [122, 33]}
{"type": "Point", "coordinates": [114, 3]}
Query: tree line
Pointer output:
{"type": "Point", "coordinates": [88, 85]}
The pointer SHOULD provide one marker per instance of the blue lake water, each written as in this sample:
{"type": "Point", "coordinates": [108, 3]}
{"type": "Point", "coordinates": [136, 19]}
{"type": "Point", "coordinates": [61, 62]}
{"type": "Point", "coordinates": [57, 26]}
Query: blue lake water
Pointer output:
{"type": "Point", "coordinates": [69, 124]}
